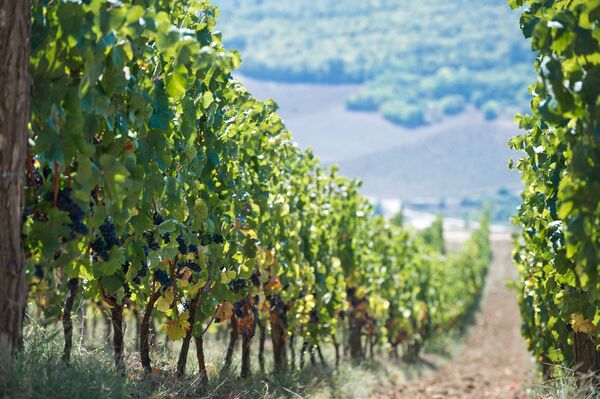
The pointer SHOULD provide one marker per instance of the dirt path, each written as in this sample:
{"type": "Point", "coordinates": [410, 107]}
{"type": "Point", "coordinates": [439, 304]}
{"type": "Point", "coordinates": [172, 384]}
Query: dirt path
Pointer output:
{"type": "Point", "coordinates": [494, 362]}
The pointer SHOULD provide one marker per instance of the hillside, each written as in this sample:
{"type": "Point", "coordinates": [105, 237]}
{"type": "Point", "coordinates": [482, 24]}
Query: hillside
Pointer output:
{"type": "Point", "coordinates": [417, 61]}
{"type": "Point", "coordinates": [468, 157]}
{"type": "Point", "coordinates": [462, 155]}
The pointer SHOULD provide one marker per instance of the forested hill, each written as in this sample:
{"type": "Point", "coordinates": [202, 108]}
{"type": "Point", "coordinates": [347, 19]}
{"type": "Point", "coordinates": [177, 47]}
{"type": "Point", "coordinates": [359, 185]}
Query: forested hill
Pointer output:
{"type": "Point", "coordinates": [417, 60]}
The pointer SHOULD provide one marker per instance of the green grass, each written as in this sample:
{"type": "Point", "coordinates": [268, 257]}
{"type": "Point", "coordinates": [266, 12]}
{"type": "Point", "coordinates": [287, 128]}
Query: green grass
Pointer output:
{"type": "Point", "coordinates": [39, 372]}
{"type": "Point", "coordinates": [565, 385]}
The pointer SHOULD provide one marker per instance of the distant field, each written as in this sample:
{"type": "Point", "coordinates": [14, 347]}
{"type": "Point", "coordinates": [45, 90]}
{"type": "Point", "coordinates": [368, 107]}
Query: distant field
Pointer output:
{"type": "Point", "coordinates": [461, 155]}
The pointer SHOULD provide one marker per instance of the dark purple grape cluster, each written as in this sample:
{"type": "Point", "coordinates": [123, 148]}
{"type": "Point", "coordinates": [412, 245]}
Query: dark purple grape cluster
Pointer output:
{"type": "Point", "coordinates": [255, 278]}
{"type": "Point", "coordinates": [38, 180]}
{"type": "Point", "coordinates": [108, 238]}
{"type": "Point", "coordinates": [144, 271]}
{"type": "Point", "coordinates": [240, 308]}
{"type": "Point", "coordinates": [194, 266]}
{"type": "Point", "coordinates": [66, 203]}
{"type": "Point", "coordinates": [38, 271]}
{"type": "Point", "coordinates": [127, 290]}
{"type": "Point", "coordinates": [151, 241]}
{"type": "Point", "coordinates": [27, 211]}
{"type": "Point", "coordinates": [278, 304]}
{"type": "Point", "coordinates": [314, 317]}
{"type": "Point", "coordinates": [207, 239]}
{"type": "Point", "coordinates": [99, 248]}
{"type": "Point", "coordinates": [141, 274]}
{"type": "Point", "coordinates": [163, 278]}
{"type": "Point", "coordinates": [107, 229]}
{"type": "Point", "coordinates": [157, 219]}
{"type": "Point", "coordinates": [182, 247]}
{"type": "Point", "coordinates": [237, 285]}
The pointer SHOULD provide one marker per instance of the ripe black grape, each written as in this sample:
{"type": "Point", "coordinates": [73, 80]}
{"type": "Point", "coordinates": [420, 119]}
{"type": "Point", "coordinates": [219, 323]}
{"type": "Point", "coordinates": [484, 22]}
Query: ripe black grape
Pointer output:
{"type": "Point", "coordinates": [127, 290]}
{"type": "Point", "coordinates": [193, 266]}
{"type": "Point", "coordinates": [99, 248]}
{"type": "Point", "coordinates": [39, 271]}
{"type": "Point", "coordinates": [237, 285]}
{"type": "Point", "coordinates": [107, 229]}
{"type": "Point", "coordinates": [157, 219]}
{"type": "Point", "coordinates": [141, 274]}
{"type": "Point", "coordinates": [218, 239]}
{"type": "Point", "coordinates": [151, 241]}
{"type": "Point", "coordinates": [239, 309]}
{"type": "Point", "coordinates": [163, 278]}
{"type": "Point", "coordinates": [183, 249]}
{"type": "Point", "coordinates": [144, 271]}
{"type": "Point", "coordinates": [66, 203]}
{"type": "Point", "coordinates": [26, 212]}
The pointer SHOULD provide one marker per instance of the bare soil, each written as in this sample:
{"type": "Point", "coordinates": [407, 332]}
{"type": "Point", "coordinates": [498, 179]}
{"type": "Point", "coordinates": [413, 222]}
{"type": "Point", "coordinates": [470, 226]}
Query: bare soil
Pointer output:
{"type": "Point", "coordinates": [494, 362]}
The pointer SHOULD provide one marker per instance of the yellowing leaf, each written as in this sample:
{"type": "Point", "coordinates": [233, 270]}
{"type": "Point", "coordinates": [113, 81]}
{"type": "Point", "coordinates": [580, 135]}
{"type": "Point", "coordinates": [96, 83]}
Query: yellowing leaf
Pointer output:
{"type": "Point", "coordinates": [185, 279]}
{"type": "Point", "coordinates": [164, 303]}
{"type": "Point", "coordinates": [228, 276]}
{"type": "Point", "coordinates": [177, 329]}
{"type": "Point", "coordinates": [582, 325]}
{"type": "Point", "coordinates": [224, 311]}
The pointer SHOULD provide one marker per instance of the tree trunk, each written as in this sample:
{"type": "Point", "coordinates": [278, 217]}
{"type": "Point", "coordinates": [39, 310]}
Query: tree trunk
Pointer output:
{"type": "Point", "coordinates": [118, 344]}
{"type": "Point", "coordinates": [311, 352]}
{"type": "Point", "coordinates": [302, 353]}
{"type": "Point", "coordinates": [587, 358]}
{"type": "Point", "coordinates": [84, 325]}
{"type": "Point", "coordinates": [336, 346]}
{"type": "Point", "coordinates": [107, 325]}
{"type": "Point", "coordinates": [138, 329]}
{"type": "Point", "coordinates": [321, 357]}
{"type": "Point", "coordinates": [185, 345]}
{"type": "Point", "coordinates": [15, 31]}
{"type": "Point", "coordinates": [246, 363]}
{"type": "Point", "coordinates": [232, 341]}
{"type": "Point", "coordinates": [66, 317]}
{"type": "Point", "coordinates": [412, 352]}
{"type": "Point", "coordinates": [394, 351]}
{"type": "Point", "coordinates": [278, 337]}
{"type": "Point", "coordinates": [145, 333]}
{"type": "Point", "coordinates": [261, 345]}
{"type": "Point", "coordinates": [292, 352]}
{"type": "Point", "coordinates": [356, 350]}
{"type": "Point", "coordinates": [201, 360]}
